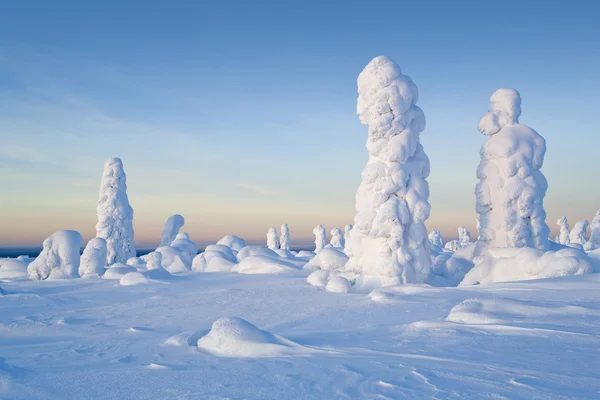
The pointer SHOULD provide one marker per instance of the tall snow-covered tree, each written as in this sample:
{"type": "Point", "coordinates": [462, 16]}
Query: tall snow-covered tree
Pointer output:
{"type": "Point", "coordinates": [578, 233]}
{"type": "Point", "coordinates": [284, 240]}
{"type": "Point", "coordinates": [388, 244]}
{"type": "Point", "coordinates": [511, 189]}
{"type": "Point", "coordinates": [563, 234]}
{"type": "Point", "coordinates": [594, 241]}
{"type": "Point", "coordinates": [337, 238]}
{"type": "Point", "coordinates": [171, 229]}
{"type": "Point", "coordinates": [115, 215]}
{"type": "Point", "coordinates": [320, 237]}
{"type": "Point", "coordinates": [272, 239]}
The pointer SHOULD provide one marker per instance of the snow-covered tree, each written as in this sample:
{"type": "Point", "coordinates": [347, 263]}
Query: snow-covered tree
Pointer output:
{"type": "Point", "coordinates": [115, 215]}
{"type": "Point", "coordinates": [511, 189]}
{"type": "Point", "coordinates": [594, 241]}
{"type": "Point", "coordinates": [320, 237]}
{"type": "Point", "coordinates": [337, 238]}
{"type": "Point", "coordinates": [272, 240]}
{"type": "Point", "coordinates": [347, 230]}
{"type": "Point", "coordinates": [284, 240]}
{"type": "Point", "coordinates": [578, 233]}
{"type": "Point", "coordinates": [171, 229]}
{"type": "Point", "coordinates": [389, 244]}
{"type": "Point", "coordinates": [59, 257]}
{"type": "Point", "coordinates": [93, 259]}
{"type": "Point", "coordinates": [464, 236]}
{"type": "Point", "coordinates": [563, 234]}
{"type": "Point", "coordinates": [436, 240]}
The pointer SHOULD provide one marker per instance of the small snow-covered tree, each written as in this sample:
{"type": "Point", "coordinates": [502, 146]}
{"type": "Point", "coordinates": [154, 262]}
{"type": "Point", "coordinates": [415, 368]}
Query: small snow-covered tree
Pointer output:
{"type": "Point", "coordinates": [464, 236]}
{"type": "Point", "coordinates": [93, 259]}
{"type": "Point", "coordinates": [284, 240]}
{"type": "Point", "coordinates": [511, 189]}
{"type": "Point", "coordinates": [320, 237]}
{"type": "Point", "coordinates": [337, 238]}
{"type": "Point", "coordinates": [171, 229]}
{"type": "Point", "coordinates": [347, 230]}
{"type": "Point", "coordinates": [437, 241]}
{"type": "Point", "coordinates": [578, 233]}
{"type": "Point", "coordinates": [115, 215]}
{"type": "Point", "coordinates": [563, 234]}
{"type": "Point", "coordinates": [59, 257]}
{"type": "Point", "coordinates": [594, 241]}
{"type": "Point", "coordinates": [272, 240]}
{"type": "Point", "coordinates": [389, 244]}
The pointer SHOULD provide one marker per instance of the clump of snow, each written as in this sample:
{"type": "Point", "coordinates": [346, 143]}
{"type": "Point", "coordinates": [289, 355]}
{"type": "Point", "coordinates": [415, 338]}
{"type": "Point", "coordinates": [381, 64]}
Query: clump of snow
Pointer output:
{"type": "Point", "coordinates": [263, 265]}
{"type": "Point", "coordinates": [284, 240]}
{"type": "Point", "coordinates": [171, 229]}
{"type": "Point", "coordinates": [59, 257]}
{"type": "Point", "coordinates": [115, 215]}
{"type": "Point", "coordinates": [464, 236]}
{"type": "Point", "coordinates": [337, 284]}
{"type": "Point", "coordinates": [215, 258]}
{"type": "Point", "coordinates": [563, 235]}
{"type": "Point", "coordinates": [175, 260]}
{"type": "Point", "coordinates": [452, 267]}
{"type": "Point", "coordinates": [437, 242]}
{"type": "Point", "coordinates": [235, 337]}
{"type": "Point", "coordinates": [183, 243]}
{"type": "Point", "coordinates": [305, 254]}
{"type": "Point", "coordinates": [14, 268]}
{"type": "Point", "coordinates": [235, 243]}
{"type": "Point", "coordinates": [118, 270]}
{"type": "Point", "coordinates": [594, 241]}
{"type": "Point", "coordinates": [93, 259]}
{"type": "Point", "coordinates": [320, 238]}
{"type": "Point", "coordinates": [328, 259]}
{"type": "Point", "coordinates": [133, 278]}
{"type": "Point", "coordinates": [511, 188]}
{"type": "Point", "coordinates": [578, 233]}
{"type": "Point", "coordinates": [318, 278]}
{"type": "Point", "coordinates": [515, 264]}
{"type": "Point", "coordinates": [272, 240]}
{"type": "Point", "coordinates": [337, 238]}
{"type": "Point", "coordinates": [154, 268]}
{"type": "Point", "coordinates": [388, 244]}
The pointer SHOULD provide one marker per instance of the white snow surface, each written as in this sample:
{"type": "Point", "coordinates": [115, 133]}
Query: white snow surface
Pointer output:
{"type": "Point", "coordinates": [389, 242]}
{"type": "Point", "coordinates": [511, 189]}
{"type": "Point", "coordinates": [264, 265]}
{"type": "Point", "coordinates": [115, 215]}
{"type": "Point", "coordinates": [59, 258]}
{"type": "Point", "coordinates": [93, 338]}
{"type": "Point", "coordinates": [14, 268]}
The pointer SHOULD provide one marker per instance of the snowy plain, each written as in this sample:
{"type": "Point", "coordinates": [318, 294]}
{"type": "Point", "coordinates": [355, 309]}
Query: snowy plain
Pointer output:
{"type": "Point", "coordinates": [94, 338]}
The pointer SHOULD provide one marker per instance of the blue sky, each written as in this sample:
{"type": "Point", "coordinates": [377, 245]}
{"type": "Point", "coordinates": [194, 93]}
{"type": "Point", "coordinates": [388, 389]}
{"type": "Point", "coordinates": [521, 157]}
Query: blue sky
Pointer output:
{"type": "Point", "coordinates": [241, 115]}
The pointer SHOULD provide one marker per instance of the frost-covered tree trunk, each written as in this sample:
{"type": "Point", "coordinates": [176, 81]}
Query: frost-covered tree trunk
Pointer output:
{"type": "Point", "coordinates": [320, 238]}
{"type": "Point", "coordinates": [272, 240]}
{"type": "Point", "coordinates": [563, 234]}
{"type": "Point", "coordinates": [388, 244]}
{"type": "Point", "coordinates": [578, 233]}
{"type": "Point", "coordinates": [115, 215]}
{"type": "Point", "coordinates": [511, 189]}
{"type": "Point", "coordinates": [594, 241]}
{"type": "Point", "coordinates": [337, 238]}
{"type": "Point", "coordinates": [171, 229]}
{"type": "Point", "coordinates": [464, 236]}
{"type": "Point", "coordinates": [93, 259]}
{"type": "Point", "coordinates": [284, 240]}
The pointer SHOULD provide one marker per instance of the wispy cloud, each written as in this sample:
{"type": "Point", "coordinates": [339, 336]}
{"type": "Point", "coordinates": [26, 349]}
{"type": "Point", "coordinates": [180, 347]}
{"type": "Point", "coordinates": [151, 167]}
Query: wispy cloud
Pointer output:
{"type": "Point", "coordinates": [254, 188]}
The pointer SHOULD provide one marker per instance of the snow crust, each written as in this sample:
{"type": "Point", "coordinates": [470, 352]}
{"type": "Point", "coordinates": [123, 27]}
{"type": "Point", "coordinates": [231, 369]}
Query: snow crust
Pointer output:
{"type": "Point", "coordinates": [389, 243]}
{"type": "Point", "coordinates": [93, 259]}
{"type": "Point", "coordinates": [115, 215]}
{"type": "Point", "coordinates": [59, 258]}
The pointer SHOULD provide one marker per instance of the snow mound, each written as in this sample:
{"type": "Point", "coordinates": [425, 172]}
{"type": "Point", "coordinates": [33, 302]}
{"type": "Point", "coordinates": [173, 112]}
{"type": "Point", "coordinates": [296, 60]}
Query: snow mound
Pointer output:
{"type": "Point", "coordinates": [133, 278]}
{"type": "Point", "coordinates": [154, 269]}
{"type": "Point", "coordinates": [516, 264]}
{"type": "Point", "coordinates": [263, 265]}
{"type": "Point", "coordinates": [136, 262]}
{"type": "Point", "coordinates": [235, 337]}
{"type": "Point", "coordinates": [174, 260]}
{"type": "Point", "coordinates": [118, 270]}
{"type": "Point", "coordinates": [328, 259]}
{"type": "Point", "coordinates": [337, 284]}
{"type": "Point", "coordinates": [255, 251]}
{"type": "Point", "coordinates": [183, 243]}
{"type": "Point", "coordinates": [59, 257]}
{"type": "Point", "coordinates": [216, 258]}
{"type": "Point", "coordinates": [305, 254]}
{"type": "Point", "coordinates": [13, 268]}
{"type": "Point", "coordinates": [318, 278]}
{"type": "Point", "coordinates": [93, 259]}
{"type": "Point", "coordinates": [452, 267]}
{"type": "Point", "coordinates": [234, 242]}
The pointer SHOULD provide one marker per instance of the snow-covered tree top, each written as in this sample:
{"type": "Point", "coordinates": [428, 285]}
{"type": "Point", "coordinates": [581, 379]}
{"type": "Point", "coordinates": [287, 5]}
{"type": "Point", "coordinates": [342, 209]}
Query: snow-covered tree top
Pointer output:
{"type": "Point", "coordinates": [504, 109]}
{"type": "Point", "coordinates": [386, 100]}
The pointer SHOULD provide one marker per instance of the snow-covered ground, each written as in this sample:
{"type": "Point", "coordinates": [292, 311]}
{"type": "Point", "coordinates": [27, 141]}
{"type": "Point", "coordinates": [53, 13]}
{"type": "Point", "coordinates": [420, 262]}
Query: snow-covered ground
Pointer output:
{"type": "Point", "coordinates": [94, 338]}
